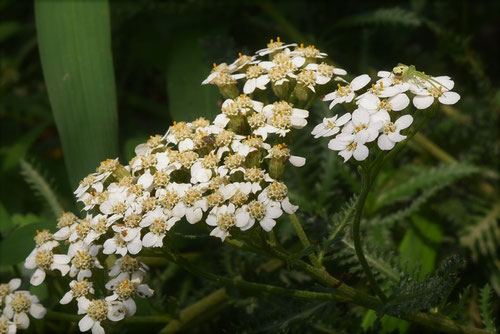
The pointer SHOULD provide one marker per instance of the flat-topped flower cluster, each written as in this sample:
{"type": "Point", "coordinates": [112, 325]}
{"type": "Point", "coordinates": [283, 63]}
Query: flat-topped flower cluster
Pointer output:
{"type": "Point", "coordinates": [380, 111]}
{"type": "Point", "coordinates": [224, 175]}
{"type": "Point", "coordinates": [15, 305]}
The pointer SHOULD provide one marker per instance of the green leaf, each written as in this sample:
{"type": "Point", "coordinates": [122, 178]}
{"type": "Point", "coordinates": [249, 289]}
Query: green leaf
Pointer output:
{"type": "Point", "coordinates": [74, 39]}
{"type": "Point", "coordinates": [19, 243]}
{"type": "Point", "coordinates": [7, 29]}
{"type": "Point", "coordinates": [419, 245]}
{"type": "Point", "coordinates": [186, 69]}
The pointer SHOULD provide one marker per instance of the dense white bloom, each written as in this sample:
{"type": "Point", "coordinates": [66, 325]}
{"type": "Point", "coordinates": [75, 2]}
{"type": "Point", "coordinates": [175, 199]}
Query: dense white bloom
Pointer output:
{"type": "Point", "coordinates": [345, 94]}
{"type": "Point", "coordinates": [223, 218]}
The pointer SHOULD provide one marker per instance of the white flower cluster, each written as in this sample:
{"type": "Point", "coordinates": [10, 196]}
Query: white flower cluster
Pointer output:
{"type": "Point", "coordinates": [15, 307]}
{"type": "Point", "coordinates": [225, 174]}
{"type": "Point", "coordinates": [379, 113]}
{"type": "Point", "coordinates": [289, 69]}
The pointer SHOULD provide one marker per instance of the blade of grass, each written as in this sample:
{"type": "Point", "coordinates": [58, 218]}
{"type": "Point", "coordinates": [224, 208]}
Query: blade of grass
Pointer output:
{"type": "Point", "coordinates": [74, 40]}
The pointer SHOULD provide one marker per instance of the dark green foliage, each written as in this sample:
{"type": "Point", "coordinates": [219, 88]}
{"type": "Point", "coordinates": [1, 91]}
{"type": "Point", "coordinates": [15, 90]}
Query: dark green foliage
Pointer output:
{"type": "Point", "coordinates": [411, 294]}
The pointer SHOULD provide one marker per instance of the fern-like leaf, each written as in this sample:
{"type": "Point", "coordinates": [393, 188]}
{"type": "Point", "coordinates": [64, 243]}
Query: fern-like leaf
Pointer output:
{"type": "Point", "coordinates": [411, 295]}
{"type": "Point", "coordinates": [427, 178]}
{"type": "Point", "coordinates": [40, 186]}
{"type": "Point", "coordinates": [483, 238]}
{"type": "Point", "coordinates": [485, 308]}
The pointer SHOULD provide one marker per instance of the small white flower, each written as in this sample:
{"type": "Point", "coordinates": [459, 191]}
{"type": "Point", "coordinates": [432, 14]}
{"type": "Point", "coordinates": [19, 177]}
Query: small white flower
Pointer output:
{"type": "Point", "coordinates": [349, 145]}
{"type": "Point", "coordinates": [275, 195]}
{"type": "Point", "coordinates": [256, 78]}
{"type": "Point", "coordinates": [8, 288]}
{"type": "Point", "coordinates": [99, 310]}
{"type": "Point", "coordinates": [44, 260]}
{"type": "Point", "coordinates": [78, 290]}
{"type": "Point", "coordinates": [125, 290]}
{"type": "Point", "coordinates": [364, 127]}
{"type": "Point", "coordinates": [84, 260]}
{"type": "Point", "coordinates": [159, 224]}
{"type": "Point", "coordinates": [7, 326]}
{"type": "Point", "coordinates": [21, 303]}
{"type": "Point", "coordinates": [273, 46]}
{"type": "Point", "coordinates": [127, 267]}
{"type": "Point", "coordinates": [258, 211]}
{"type": "Point", "coordinates": [345, 94]}
{"type": "Point", "coordinates": [330, 126]}
{"type": "Point", "coordinates": [390, 132]}
{"type": "Point", "coordinates": [224, 218]}
{"type": "Point", "coordinates": [428, 91]}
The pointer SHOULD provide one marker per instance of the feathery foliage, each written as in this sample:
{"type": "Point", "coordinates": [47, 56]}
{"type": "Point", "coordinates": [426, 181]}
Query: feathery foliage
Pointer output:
{"type": "Point", "coordinates": [485, 308]}
{"type": "Point", "coordinates": [41, 186]}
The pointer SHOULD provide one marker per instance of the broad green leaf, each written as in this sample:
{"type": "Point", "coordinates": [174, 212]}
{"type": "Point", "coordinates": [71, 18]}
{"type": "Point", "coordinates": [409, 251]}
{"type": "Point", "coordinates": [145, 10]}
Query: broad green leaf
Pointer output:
{"type": "Point", "coordinates": [74, 39]}
{"type": "Point", "coordinates": [186, 69]}
{"type": "Point", "coordinates": [17, 245]}
{"type": "Point", "coordinates": [420, 244]}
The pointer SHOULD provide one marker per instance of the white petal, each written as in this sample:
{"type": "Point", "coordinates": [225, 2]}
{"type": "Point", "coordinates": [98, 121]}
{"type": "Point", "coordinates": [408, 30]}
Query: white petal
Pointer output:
{"type": "Point", "coordinates": [14, 284]}
{"type": "Point", "coordinates": [242, 219]}
{"type": "Point", "coordinates": [403, 122]}
{"type": "Point", "coordinates": [399, 102]}
{"type": "Point", "coordinates": [186, 145]}
{"type": "Point", "coordinates": [422, 102]}
{"type": "Point", "coordinates": [22, 320]}
{"type": "Point", "coordinates": [449, 98]}
{"type": "Point", "coordinates": [345, 154]}
{"type": "Point", "coordinates": [297, 161]}
{"type": "Point", "coordinates": [38, 277]}
{"type": "Point", "coordinates": [68, 296]}
{"type": "Point", "coordinates": [369, 101]}
{"type": "Point", "coordinates": [130, 306]}
{"type": "Point", "coordinates": [86, 323]}
{"type": "Point", "coordinates": [194, 215]}
{"type": "Point", "coordinates": [267, 224]}
{"type": "Point", "coordinates": [360, 81]}
{"type": "Point", "coordinates": [97, 328]}
{"type": "Point", "coordinates": [288, 207]}
{"type": "Point", "coordinates": [249, 86]}
{"type": "Point", "coordinates": [361, 152]}
{"type": "Point", "coordinates": [37, 311]}
{"type": "Point", "coordinates": [360, 116]}
{"type": "Point", "coordinates": [384, 143]}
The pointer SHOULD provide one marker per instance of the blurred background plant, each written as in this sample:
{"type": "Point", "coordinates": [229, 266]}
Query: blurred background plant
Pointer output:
{"type": "Point", "coordinates": [439, 197]}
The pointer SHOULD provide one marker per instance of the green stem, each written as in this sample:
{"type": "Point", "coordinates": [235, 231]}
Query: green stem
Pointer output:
{"type": "Point", "coordinates": [257, 287]}
{"type": "Point", "coordinates": [193, 311]}
{"type": "Point", "coordinates": [303, 239]}
{"type": "Point", "coordinates": [366, 183]}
